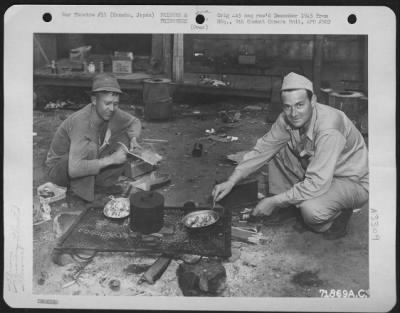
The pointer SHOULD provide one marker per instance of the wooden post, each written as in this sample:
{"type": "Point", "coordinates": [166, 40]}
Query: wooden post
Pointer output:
{"type": "Point", "coordinates": [177, 65]}
{"type": "Point", "coordinates": [365, 66]}
{"type": "Point", "coordinates": [167, 57]}
{"type": "Point", "coordinates": [45, 49]}
{"type": "Point", "coordinates": [317, 64]}
{"type": "Point", "coordinates": [157, 46]}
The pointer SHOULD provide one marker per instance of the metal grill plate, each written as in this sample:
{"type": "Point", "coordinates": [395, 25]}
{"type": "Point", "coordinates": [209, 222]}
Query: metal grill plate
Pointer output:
{"type": "Point", "coordinates": [94, 231]}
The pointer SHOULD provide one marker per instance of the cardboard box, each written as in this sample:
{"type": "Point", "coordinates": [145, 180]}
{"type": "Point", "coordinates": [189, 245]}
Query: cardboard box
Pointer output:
{"type": "Point", "coordinates": [121, 65]}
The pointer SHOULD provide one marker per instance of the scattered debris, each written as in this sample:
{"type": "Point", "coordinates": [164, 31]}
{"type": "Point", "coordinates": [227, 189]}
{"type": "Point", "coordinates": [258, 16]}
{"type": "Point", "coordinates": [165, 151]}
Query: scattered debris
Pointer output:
{"type": "Point", "coordinates": [220, 138]}
{"type": "Point", "coordinates": [49, 193]}
{"type": "Point", "coordinates": [148, 140]}
{"type": "Point", "coordinates": [197, 150]}
{"type": "Point", "coordinates": [63, 221]}
{"type": "Point", "coordinates": [307, 278]}
{"type": "Point", "coordinates": [210, 131]}
{"type": "Point", "coordinates": [75, 271]}
{"type": "Point", "coordinates": [229, 117]}
{"type": "Point", "coordinates": [248, 235]}
{"type": "Point", "coordinates": [60, 104]}
{"type": "Point", "coordinates": [206, 278]}
{"type": "Point", "coordinates": [114, 284]}
{"type": "Point", "coordinates": [213, 82]}
{"type": "Point", "coordinates": [43, 277]}
{"type": "Point", "coordinates": [244, 215]}
{"type": "Point", "coordinates": [252, 108]}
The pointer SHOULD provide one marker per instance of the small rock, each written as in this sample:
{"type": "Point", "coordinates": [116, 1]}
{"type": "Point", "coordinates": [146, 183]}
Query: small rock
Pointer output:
{"type": "Point", "coordinates": [277, 275]}
{"type": "Point", "coordinates": [114, 284]}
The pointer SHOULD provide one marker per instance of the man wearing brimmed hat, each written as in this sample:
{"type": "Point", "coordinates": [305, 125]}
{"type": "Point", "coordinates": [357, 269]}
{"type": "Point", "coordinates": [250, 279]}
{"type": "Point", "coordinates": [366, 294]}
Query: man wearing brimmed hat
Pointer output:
{"type": "Point", "coordinates": [318, 163]}
{"type": "Point", "coordinates": [85, 152]}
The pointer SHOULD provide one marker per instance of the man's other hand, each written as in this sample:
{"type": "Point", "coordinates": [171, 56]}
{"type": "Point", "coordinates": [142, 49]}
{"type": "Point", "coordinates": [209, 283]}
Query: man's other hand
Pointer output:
{"type": "Point", "coordinates": [133, 144]}
{"type": "Point", "coordinates": [119, 156]}
{"type": "Point", "coordinates": [265, 207]}
{"type": "Point", "coordinates": [221, 190]}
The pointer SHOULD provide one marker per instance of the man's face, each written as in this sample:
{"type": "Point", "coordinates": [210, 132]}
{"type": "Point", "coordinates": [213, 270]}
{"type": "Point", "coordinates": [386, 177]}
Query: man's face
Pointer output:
{"type": "Point", "coordinates": [297, 107]}
{"type": "Point", "coordinates": [105, 103]}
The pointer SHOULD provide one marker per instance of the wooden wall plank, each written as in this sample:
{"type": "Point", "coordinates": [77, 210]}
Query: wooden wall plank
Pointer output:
{"type": "Point", "coordinates": [167, 54]}
{"type": "Point", "coordinates": [317, 63]}
{"type": "Point", "coordinates": [178, 58]}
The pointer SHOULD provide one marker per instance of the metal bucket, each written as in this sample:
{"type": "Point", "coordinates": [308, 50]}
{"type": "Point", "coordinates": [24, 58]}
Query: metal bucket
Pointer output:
{"type": "Point", "coordinates": [147, 212]}
{"type": "Point", "coordinates": [157, 99]}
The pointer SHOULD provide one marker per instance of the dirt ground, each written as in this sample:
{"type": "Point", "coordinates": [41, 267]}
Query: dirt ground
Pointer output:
{"type": "Point", "coordinates": [263, 270]}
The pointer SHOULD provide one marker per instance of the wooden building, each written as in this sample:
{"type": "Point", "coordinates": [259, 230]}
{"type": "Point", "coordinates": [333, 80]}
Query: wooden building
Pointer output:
{"type": "Point", "coordinates": [248, 65]}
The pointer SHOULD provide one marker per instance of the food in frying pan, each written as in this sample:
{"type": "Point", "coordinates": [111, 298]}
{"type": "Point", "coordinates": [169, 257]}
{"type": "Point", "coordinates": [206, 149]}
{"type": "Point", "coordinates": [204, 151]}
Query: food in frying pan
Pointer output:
{"type": "Point", "coordinates": [200, 220]}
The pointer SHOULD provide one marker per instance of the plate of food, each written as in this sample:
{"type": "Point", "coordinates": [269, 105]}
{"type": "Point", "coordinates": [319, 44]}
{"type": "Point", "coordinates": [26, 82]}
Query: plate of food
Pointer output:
{"type": "Point", "coordinates": [117, 208]}
{"type": "Point", "coordinates": [200, 219]}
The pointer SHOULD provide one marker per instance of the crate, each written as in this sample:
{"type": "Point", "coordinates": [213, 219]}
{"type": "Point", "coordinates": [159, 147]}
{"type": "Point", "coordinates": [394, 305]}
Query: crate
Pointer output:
{"type": "Point", "coordinates": [121, 65]}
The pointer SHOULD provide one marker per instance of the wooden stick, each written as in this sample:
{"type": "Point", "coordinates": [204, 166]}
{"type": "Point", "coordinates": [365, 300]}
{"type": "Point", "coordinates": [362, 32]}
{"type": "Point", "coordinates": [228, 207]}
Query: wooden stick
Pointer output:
{"type": "Point", "coordinates": [156, 140]}
{"type": "Point", "coordinates": [44, 55]}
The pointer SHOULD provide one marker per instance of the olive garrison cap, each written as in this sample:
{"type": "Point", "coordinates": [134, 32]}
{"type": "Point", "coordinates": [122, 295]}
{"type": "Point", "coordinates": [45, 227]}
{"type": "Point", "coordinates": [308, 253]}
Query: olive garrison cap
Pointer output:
{"type": "Point", "coordinates": [296, 81]}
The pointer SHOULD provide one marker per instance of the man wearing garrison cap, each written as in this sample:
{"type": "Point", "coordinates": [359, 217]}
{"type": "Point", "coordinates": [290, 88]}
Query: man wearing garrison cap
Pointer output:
{"type": "Point", "coordinates": [85, 153]}
{"type": "Point", "coordinates": [317, 159]}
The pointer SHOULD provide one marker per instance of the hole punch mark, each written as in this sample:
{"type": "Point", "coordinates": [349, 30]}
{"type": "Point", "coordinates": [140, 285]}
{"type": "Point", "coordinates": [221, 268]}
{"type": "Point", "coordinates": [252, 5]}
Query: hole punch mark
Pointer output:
{"type": "Point", "coordinates": [47, 17]}
{"type": "Point", "coordinates": [352, 19]}
{"type": "Point", "coordinates": [200, 19]}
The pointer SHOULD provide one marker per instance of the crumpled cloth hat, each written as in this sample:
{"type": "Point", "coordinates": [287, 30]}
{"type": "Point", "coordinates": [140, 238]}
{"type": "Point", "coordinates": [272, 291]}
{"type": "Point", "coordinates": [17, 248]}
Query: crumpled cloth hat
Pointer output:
{"type": "Point", "coordinates": [296, 81]}
{"type": "Point", "coordinates": [105, 82]}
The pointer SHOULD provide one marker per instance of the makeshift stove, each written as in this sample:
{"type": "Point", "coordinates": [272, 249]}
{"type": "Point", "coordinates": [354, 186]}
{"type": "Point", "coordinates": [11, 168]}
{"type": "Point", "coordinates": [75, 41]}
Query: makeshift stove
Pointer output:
{"type": "Point", "coordinates": [95, 232]}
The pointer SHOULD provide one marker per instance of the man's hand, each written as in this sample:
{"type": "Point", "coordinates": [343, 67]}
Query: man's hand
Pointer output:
{"type": "Point", "coordinates": [133, 144]}
{"type": "Point", "coordinates": [221, 190]}
{"type": "Point", "coordinates": [265, 207]}
{"type": "Point", "coordinates": [119, 156]}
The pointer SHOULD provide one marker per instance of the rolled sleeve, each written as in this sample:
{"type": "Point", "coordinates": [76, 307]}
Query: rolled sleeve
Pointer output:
{"type": "Point", "coordinates": [320, 171]}
{"type": "Point", "coordinates": [265, 148]}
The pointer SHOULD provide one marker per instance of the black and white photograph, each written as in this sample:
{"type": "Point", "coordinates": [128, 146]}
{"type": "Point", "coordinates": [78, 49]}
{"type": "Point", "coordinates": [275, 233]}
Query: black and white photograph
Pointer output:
{"type": "Point", "coordinates": [209, 164]}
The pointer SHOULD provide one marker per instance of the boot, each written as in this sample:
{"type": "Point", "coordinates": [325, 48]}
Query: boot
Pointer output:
{"type": "Point", "coordinates": [339, 226]}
